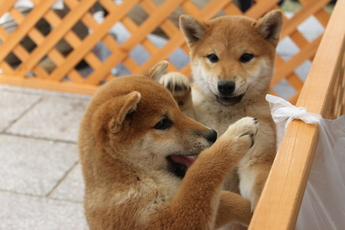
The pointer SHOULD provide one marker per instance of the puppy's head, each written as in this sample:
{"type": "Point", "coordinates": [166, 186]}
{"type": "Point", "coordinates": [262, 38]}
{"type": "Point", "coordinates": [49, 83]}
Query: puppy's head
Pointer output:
{"type": "Point", "coordinates": [137, 122]}
{"type": "Point", "coordinates": [232, 56]}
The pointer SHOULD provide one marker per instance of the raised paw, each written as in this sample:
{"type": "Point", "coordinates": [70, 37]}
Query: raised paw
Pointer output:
{"type": "Point", "coordinates": [243, 132]}
{"type": "Point", "coordinates": [178, 85]}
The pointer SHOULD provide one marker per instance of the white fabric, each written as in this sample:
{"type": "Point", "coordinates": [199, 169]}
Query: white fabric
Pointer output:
{"type": "Point", "coordinates": [323, 205]}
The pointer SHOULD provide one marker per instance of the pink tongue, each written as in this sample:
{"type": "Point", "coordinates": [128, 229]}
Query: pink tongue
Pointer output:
{"type": "Point", "coordinates": [187, 161]}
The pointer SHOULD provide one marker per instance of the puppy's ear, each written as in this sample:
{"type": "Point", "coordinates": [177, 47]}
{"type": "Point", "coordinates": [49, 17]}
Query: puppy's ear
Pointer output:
{"type": "Point", "coordinates": [192, 29]}
{"type": "Point", "coordinates": [125, 104]}
{"type": "Point", "coordinates": [270, 25]}
{"type": "Point", "coordinates": [155, 71]}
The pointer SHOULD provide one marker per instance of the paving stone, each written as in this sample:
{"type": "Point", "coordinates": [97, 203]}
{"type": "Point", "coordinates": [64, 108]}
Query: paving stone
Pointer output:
{"type": "Point", "coordinates": [34, 213]}
{"type": "Point", "coordinates": [13, 105]}
{"type": "Point", "coordinates": [33, 166]}
{"type": "Point", "coordinates": [55, 117]}
{"type": "Point", "coordinates": [72, 187]}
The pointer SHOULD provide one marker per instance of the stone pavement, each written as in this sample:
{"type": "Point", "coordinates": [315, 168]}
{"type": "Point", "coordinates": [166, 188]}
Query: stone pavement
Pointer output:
{"type": "Point", "coordinates": [41, 185]}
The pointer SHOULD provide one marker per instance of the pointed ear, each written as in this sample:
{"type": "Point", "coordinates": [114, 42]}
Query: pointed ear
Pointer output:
{"type": "Point", "coordinates": [192, 29]}
{"type": "Point", "coordinates": [270, 25]}
{"type": "Point", "coordinates": [155, 71]}
{"type": "Point", "coordinates": [126, 105]}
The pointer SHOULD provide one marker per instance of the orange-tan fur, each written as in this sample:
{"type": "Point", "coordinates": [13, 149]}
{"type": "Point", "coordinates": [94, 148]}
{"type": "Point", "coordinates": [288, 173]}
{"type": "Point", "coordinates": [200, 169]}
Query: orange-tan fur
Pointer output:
{"type": "Point", "coordinates": [230, 38]}
{"type": "Point", "coordinates": [123, 150]}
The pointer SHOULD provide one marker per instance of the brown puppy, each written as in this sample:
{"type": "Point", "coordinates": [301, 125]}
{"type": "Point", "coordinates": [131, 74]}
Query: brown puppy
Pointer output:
{"type": "Point", "coordinates": [137, 152]}
{"type": "Point", "coordinates": [232, 59]}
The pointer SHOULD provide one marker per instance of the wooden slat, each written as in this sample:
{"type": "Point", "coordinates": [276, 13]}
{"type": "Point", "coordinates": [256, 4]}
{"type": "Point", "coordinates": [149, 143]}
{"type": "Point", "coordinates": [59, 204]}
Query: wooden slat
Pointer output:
{"type": "Point", "coordinates": [295, 61]}
{"type": "Point", "coordinates": [39, 72]}
{"type": "Point", "coordinates": [5, 6]}
{"type": "Point", "coordinates": [17, 80]}
{"type": "Point", "coordinates": [90, 41]}
{"type": "Point", "coordinates": [14, 38]}
{"type": "Point", "coordinates": [261, 7]}
{"type": "Point", "coordinates": [295, 82]}
{"type": "Point", "coordinates": [307, 50]}
{"type": "Point", "coordinates": [35, 36]}
{"type": "Point", "coordinates": [211, 9]}
{"type": "Point", "coordinates": [282, 196]}
{"type": "Point", "coordinates": [323, 17]}
{"type": "Point", "coordinates": [167, 26]}
{"type": "Point", "coordinates": [232, 9]}
{"type": "Point", "coordinates": [178, 40]}
{"type": "Point", "coordinates": [38, 38]}
{"type": "Point", "coordinates": [6, 68]}
{"type": "Point", "coordinates": [301, 15]}
{"type": "Point", "coordinates": [55, 35]}
{"type": "Point", "coordinates": [75, 41]}
{"type": "Point", "coordinates": [299, 39]}
{"type": "Point", "coordinates": [189, 8]}
{"type": "Point", "coordinates": [149, 25]}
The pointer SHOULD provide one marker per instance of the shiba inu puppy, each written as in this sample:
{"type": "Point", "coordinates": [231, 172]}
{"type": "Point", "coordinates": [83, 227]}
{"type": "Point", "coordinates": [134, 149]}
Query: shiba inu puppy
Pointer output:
{"type": "Point", "coordinates": [232, 60]}
{"type": "Point", "coordinates": [138, 154]}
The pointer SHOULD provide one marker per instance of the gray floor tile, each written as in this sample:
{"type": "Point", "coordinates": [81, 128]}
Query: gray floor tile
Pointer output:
{"type": "Point", "coordinates": [33, 166]}
{"type": "Point", "coordinates": [72, 187]}
{"type": "Point", "coordinates": [55, 117]}
{"type": "Point", "coordinates": [13, 105]}
{"type": "Point", "coordinates": [21, 212]}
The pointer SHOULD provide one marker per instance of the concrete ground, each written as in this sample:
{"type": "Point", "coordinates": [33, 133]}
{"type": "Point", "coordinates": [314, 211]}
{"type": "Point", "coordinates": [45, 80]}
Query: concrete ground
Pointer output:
{"type": "Point", "coordinates": [41, 185]}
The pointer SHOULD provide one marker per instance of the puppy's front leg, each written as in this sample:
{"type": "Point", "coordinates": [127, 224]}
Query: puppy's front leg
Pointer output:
{"type": "Point", "coordinates": [233, 207]}
{"type": "Point", "coordinates": [178, 85]}
{"type": "Point", "coordinates": [195, 206]}
{"type": "Point", "coordinates": [254, 168]}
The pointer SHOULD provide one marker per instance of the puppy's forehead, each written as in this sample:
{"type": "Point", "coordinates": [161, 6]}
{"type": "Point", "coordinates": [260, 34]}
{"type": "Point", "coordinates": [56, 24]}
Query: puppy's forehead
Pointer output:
{"type": "Point", "coordinates": [232, 21]}
{"type": "Point", "coordinates": [231, 27]}
{"type": "Point", "coordinates": [232, 34]}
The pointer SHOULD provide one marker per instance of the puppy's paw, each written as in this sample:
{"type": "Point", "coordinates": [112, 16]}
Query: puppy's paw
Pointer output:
{"type": "Point", "coordinates": [243, 133]}
{"type": "Point", "coordinates": [176, 83]}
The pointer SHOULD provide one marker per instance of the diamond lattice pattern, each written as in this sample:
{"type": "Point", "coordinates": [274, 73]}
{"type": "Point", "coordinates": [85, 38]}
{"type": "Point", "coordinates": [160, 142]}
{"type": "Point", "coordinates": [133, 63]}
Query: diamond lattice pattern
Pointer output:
{"type": "Point", "coordinates": [89, 42]}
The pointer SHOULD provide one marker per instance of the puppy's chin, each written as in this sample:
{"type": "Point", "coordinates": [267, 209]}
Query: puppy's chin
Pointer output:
{"type": "Point", "coordinates": [229, 101]}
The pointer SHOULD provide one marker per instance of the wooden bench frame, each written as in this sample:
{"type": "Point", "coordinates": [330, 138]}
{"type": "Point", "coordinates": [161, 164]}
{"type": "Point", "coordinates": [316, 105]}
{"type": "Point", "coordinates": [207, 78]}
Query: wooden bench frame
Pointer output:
{"type": "Point", "coordinates": [323, 93]}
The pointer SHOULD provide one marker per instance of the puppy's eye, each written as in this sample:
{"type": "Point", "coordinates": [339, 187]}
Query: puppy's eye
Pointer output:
{"type": "Point", "coordinates": [246, 57]}
{"type": "Point", "coordinates": [163, 123]}
{"type": "Point", "coordinates": [213, 58]}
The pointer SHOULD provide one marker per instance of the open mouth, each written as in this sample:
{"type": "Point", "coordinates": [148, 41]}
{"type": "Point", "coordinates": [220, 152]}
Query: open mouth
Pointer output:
{"type": "Point", "coordinates": [179, 164]}
{"type": "Point", "coordinates": [229, 100]}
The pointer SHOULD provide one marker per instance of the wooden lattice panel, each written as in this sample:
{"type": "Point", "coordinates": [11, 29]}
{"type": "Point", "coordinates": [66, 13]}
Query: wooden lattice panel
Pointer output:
{"type": "Point", "coordinates": [285, 70]}
{"type": "Point", "coordinates": [61, 72]}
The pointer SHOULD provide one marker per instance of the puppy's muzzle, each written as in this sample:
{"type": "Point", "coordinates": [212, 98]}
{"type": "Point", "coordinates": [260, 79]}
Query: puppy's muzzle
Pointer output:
{"type": "Point", "coordinates": [226, 93]}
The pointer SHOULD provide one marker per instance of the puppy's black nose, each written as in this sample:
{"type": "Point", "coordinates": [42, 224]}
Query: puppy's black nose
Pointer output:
{"type": "Point", "coordinates": [211, 136]}
{"type": "Point", "coordinates": [226, 87]}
